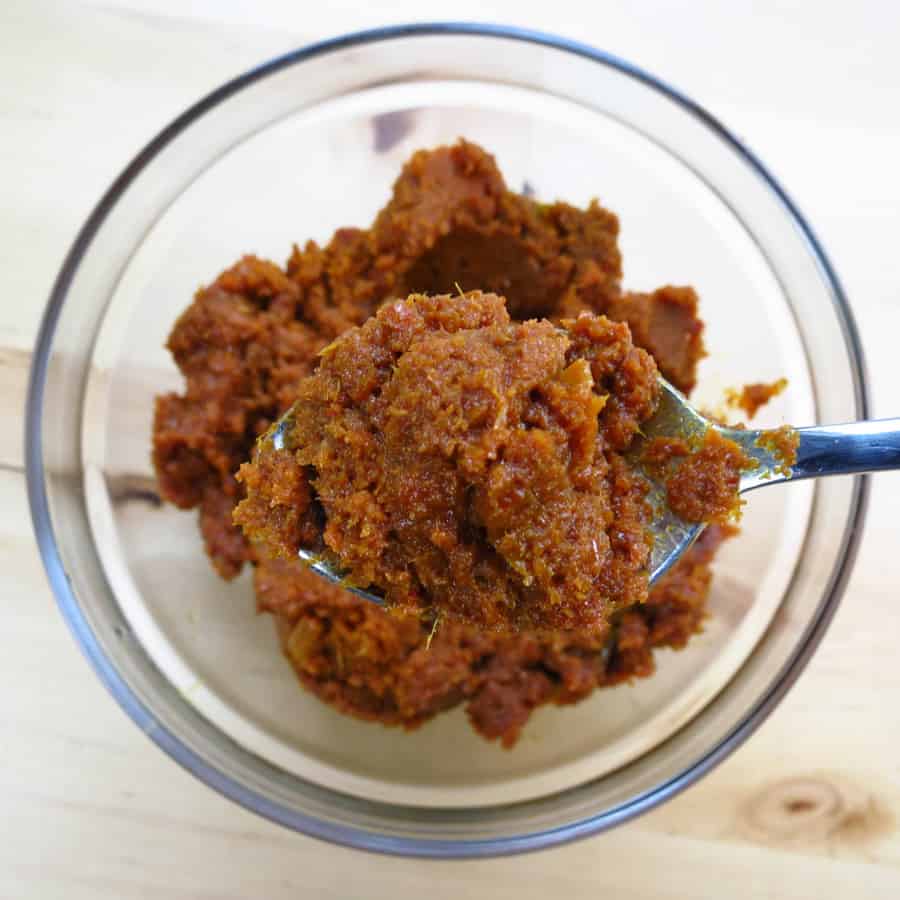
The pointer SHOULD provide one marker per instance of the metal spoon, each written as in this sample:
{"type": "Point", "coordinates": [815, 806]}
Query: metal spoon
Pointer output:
{"type": "Point", "coordinates": [851, 449]}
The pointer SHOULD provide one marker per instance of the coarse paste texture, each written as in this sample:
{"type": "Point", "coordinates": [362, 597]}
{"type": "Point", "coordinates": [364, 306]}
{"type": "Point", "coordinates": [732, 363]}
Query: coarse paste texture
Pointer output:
{"type": "Point", "coordinates": [377, 666]}
{"type": "Point", "coordinates": [249, 338]}
{"type": "Point", "coordinates": [752, 397]}
{"type": "Point", "coordinates": [468, 463]}
{"type": "Point", "coordinates": [702, 480]}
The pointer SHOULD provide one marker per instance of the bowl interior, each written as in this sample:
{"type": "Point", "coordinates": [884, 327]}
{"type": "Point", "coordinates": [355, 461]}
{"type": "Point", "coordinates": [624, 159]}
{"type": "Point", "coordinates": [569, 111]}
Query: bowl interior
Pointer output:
{"type": "Point", "coordinates": [332, 164]}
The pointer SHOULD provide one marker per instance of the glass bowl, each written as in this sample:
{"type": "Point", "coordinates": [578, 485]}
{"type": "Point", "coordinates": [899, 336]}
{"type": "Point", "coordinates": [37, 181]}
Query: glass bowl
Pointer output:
{"type": "Point", "coordinates": [290, 151]}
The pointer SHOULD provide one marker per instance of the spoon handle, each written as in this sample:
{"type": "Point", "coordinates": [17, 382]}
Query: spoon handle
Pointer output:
{"type": "Point", "coordinates": [849, 449]}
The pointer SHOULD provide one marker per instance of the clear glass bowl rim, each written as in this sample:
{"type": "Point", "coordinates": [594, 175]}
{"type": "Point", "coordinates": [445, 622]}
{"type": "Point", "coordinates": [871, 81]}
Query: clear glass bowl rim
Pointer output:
{"type": "Point", "coordinates": [169, 742]}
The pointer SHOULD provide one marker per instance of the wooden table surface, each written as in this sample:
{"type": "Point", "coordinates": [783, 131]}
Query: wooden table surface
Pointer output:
{"type": "Point", "coordinates": [808, 808]}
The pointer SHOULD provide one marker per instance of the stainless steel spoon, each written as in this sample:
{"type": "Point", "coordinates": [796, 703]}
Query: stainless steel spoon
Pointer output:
{"type": "Point", "coordinates": [850, 449]}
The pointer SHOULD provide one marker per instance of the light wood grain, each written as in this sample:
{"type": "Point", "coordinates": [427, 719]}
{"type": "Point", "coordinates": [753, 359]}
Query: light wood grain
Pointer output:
{"type": "Point", "coordinates": [809, 807]}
